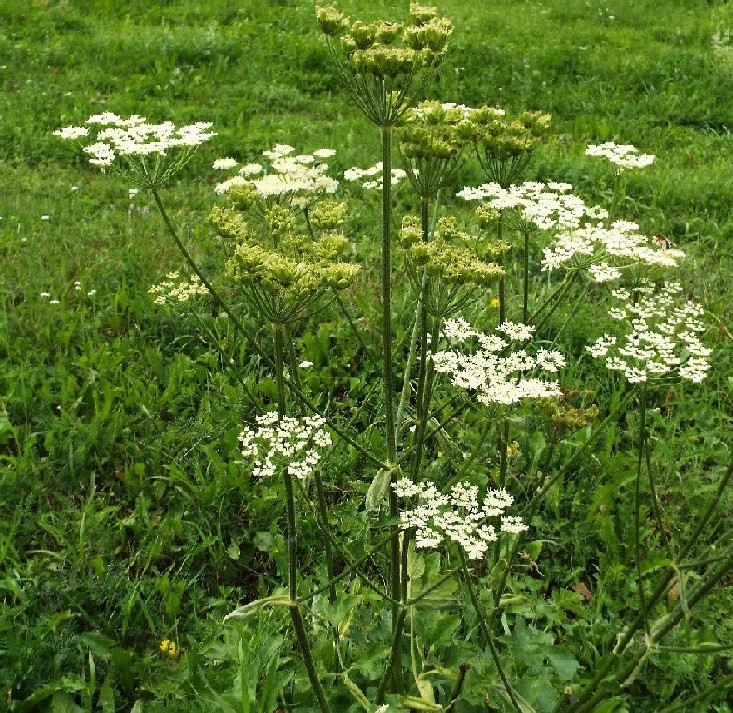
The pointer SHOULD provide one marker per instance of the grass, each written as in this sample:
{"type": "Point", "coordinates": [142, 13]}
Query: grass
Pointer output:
{"type": "Point", "coordinates": [124, 517]}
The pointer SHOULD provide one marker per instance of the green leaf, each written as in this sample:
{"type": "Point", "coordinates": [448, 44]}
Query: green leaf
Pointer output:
{"type": "Point", "coordinates": [564, 664]}
{"type": "Point", "coordinates": [62, 702]}
{"type": "Point", "coordinates": [378, 490]}
{"type": "Point", "coordinates": [256, 607]}
{"type": "Point", "coordinates": [107, 697]}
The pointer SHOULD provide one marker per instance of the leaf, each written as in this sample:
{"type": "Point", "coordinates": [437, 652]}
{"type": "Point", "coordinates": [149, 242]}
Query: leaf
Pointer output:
{"type": "Point", "coordinates": [106, 697]}
{"type": "Point", "coordinates": [233, 551]}
{"type": "Point", "coordinates": [378, 490]}
{"type": "Point", "coordinates": [62, 702]}
{"type": "Point", "coordinates": [564, 664]}
{"type": "Point", "coordinates": [256, 607]}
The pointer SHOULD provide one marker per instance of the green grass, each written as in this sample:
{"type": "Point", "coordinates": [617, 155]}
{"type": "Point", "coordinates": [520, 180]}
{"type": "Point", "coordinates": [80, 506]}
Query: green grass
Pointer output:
{"type": "Point", "coordinates": [124, 519]}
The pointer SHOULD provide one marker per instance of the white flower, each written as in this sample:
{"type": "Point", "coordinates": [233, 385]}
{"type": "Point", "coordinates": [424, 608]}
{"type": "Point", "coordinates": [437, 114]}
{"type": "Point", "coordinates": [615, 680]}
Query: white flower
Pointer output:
{"type": "Point", "coordinates": [547, 206]}
{"type": "Point", "coordinates": [375, 173]}
{"type": "Point", "coordinates": [624, 156]}
{"type": "Point", "coordinates": [661, 336]}
{"type": "Point", "coordinates": [251, 169]}
{"type": "Point", "coordinates": [460, 516]}
{"type": "Point", "coordinates": [174, 291]}
{"type": "Point", "coordinates": [286, 442]}
{"type": "Point", "coordinates": [495, 376]}
{"type": "Point", "coordinates": [224, 163]}
{"type": "Point", "coordinates": [305, 364]}
{"type": "Point", "coordinates": [72, 132]}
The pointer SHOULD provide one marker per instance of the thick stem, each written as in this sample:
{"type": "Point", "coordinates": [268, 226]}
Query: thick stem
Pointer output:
{"type": "Point", "coordinates": [486, 632]}
{"type": "Point", "coordinates": [525, 297]}
{"type": "Point", "coordinates": [502, 279]}
{"type": "Point", "coordinates": [388, 375]}
{"type": "Point", "coordinates": [393, 669]}
{"type": "Point", "coordinates": [292, 535]}
{"type": "Point", "coordinates": [637, 505]}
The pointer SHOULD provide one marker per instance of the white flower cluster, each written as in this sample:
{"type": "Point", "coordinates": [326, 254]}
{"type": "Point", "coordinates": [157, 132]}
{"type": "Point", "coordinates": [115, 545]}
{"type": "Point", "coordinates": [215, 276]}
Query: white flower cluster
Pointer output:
{"type": "Point", "coordinates": [582, 241]}
{"type": "Point", "coordinates": [285, 442]}
{"type": "Point", "coordinates": [623, 155]}
{"type": "Point", "coordinates": [595, 246]}
{"type": "Point", "coordinates": [664, 336]}
{"type": "Point", "coordinates": [549, 206]}
{"type": "Point", "coordinates": [174, 289]}
{"type": "Point", "coordinates": [374, 174]}
{"type": "Point", "coordinates": [135, 137]}
{"type": "Point", "coordinates": [287, 176]}
{"type": "Point", "coordinates": [458, 517]}
{"type": "Point", "coordinates": [497, 378]}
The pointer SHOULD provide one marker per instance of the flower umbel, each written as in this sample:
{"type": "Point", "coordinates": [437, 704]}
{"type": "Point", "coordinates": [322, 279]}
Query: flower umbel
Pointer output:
{"type": "Point", "coordinates": [662, 336]}
{"type": "Point", "coordinates": [460, 516]}
{"type": "Point", "coordinates": [622, 155]}
{"type": "Point", "coordinates": [147, 153]}
{"type": "Point", "coordinates": [497, 377]}
{"type": "Point", "coordinates": [286, 442]}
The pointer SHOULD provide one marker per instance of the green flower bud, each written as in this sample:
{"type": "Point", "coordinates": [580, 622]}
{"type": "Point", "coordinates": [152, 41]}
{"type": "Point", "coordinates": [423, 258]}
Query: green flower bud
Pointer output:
{"type": "Point", "coordinates": [229, 224]}
{"type": "Point", "coordinates": [363, 34]}
{"type": "Point", "coordinates": [411, 231]}
{"type": "Point", "coordinates": [327, 215]}
{"type": "Point", "coordinates": [332, 22]}
{"type": "Point", "coordinates": [243, 197]}
{"type": "Point", "coordinates": [486, 216]}
{"type": "Point", "coordinates": [387, 32]}
{"type": "Point", "coordinates": [421, 14]}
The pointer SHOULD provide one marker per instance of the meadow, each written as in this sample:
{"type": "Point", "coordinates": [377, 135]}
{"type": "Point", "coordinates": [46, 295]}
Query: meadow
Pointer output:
{"type": "Point", "coordinates": [144, 566]}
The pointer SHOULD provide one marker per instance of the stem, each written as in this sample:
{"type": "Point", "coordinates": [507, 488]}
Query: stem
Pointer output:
{"type": "Point", "coordinates": [686, 705]}
{"type": "Point", "coordinates": [502, 279]}
{"type": "Point", "coordinates": [395, 589]}
{"type": "Point", "coordinates": [292, 535]}
{"type": "Point", "coordinates": [525, 299]}
{"type": "Point", "coordinates": [486, 631]}
{"type": "Point", "coordinates": [394, 655]}
{"type": "Point", "coordinates": [637, 505]}
{"type": "Point", "coordinates": [457, 686]}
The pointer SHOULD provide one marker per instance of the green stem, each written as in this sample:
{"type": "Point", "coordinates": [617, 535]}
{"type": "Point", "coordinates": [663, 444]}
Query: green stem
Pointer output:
{"type": "Point", "coordinates": [388, 375]}
{"type": "Point", "coordinates": [486, 632]}
{"type": "Point", "coordinates": [395, 653]}
{"type": "Point", "coordinates": [295, 614]}
{"type": "Point", "coordinates": [457, 686]}
{"type": "Point", "coordinates": [637, 505]}
{"type": "Point", "coordinates": [688, 703]}
{"type": "Point", "coordinates": [502, 279]}
{"type": "Point", "coordinates": [525, 297]}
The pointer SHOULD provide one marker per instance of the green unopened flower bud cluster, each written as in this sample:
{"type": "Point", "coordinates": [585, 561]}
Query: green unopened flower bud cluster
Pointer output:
{"type": "Point", "coordinates": [432, 138]}
{"type": "Point", "coordinates": [449, 256]}
{"type": "Point", "coordinates": [327, 215]}
{"type": "Point", "coordinates": [504, 146]}
{"type": "Point", "coordinates": [282, 283]}
{"type": "Point", "coordinates": [384, 51]}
